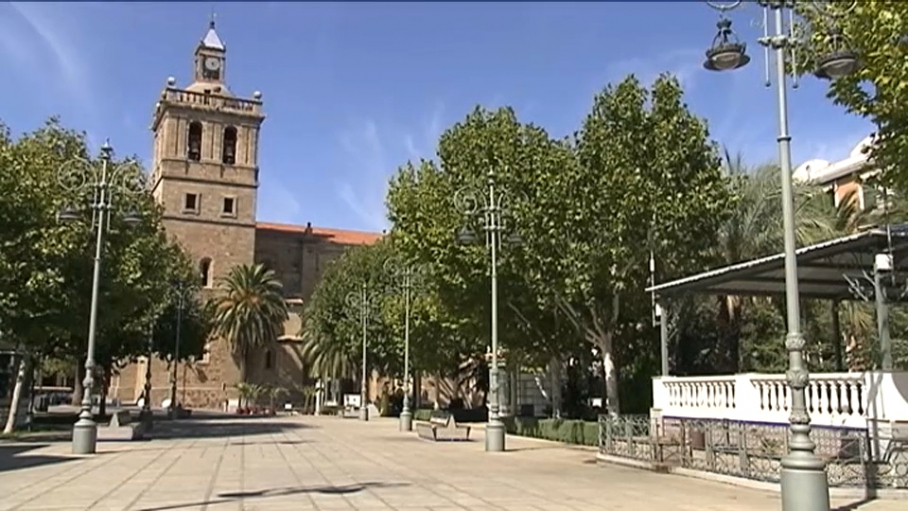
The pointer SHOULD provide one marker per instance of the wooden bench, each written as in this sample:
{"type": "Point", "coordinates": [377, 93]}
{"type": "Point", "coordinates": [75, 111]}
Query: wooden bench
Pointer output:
{"type": "Point", "coordinates": [121, 428]}
{"type": "Point", "coordinates": [442, 426]}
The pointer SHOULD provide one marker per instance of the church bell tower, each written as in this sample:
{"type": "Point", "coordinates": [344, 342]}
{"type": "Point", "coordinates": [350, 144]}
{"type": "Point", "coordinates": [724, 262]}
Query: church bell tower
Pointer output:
{"type": "Point", "coordinates": [205, 164]}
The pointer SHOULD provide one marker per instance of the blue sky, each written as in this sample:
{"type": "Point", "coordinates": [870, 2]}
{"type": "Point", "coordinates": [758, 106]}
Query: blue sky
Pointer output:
{"type": "Point", "coordinates": [353, 90]}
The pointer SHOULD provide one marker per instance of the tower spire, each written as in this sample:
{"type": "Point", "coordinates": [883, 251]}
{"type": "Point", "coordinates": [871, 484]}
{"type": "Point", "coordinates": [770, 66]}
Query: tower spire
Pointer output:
{"type": "Point", "coordinates": [211, 39]}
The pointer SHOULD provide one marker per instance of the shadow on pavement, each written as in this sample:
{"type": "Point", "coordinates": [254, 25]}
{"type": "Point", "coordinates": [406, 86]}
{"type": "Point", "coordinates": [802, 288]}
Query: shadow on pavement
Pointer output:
{"type": "Point", "coordinates": [855, 505]}
{"type": "Point", "coordinates": [12, 457]}
{"type": "Point", "coordinates": [226, 497]}
{"type": "Point", "coordinates": [534, 448]}
{"type": "Point", "coordinates": [219, 428]}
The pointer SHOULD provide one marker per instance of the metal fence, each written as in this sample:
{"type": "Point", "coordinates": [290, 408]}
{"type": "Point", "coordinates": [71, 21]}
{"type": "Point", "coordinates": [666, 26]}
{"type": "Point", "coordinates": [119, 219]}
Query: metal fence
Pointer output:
{"type": "Point", "coordinates": [751, 450]}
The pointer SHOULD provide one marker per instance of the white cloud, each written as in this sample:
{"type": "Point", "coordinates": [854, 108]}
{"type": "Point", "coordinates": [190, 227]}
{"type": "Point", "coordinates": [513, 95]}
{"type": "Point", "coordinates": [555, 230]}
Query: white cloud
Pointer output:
{"type": "Point", "coordinates": [374, 151]}
{"type": "Point", "coordinates": [40, 44]}
{"type": "Point", "coordinates": [684, 64]}
{"type": "Point", "coordinates": [371, 213]}
{"type": "Point", "coordinates": [277, 203]}
{"type": "Point", "coordinates": [832, 148]}
{"type": "Point", "coordinates": [53, 34]}
{"type": "Point", "coordinates": [425, 145]}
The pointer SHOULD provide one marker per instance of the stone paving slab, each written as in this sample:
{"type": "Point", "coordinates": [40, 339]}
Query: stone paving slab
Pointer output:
{"type": "Point", "coordinates": [325, 463]}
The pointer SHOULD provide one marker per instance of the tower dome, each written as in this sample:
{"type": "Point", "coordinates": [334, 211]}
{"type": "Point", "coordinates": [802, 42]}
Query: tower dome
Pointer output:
{"type": "Point", "coordinates": [858, 150]}
{"type": "Point", "coordinates": [808, 170]}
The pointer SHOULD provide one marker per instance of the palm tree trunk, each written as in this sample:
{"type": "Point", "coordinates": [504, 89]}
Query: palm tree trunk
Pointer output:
{"type": "Point", "coordinates": [244, 355]}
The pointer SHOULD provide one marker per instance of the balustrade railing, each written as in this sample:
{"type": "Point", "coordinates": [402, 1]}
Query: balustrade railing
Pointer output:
{"type": "Point", "coordinates": [211, 100]}
{"type": "Point", "coordinates": [833, 399]}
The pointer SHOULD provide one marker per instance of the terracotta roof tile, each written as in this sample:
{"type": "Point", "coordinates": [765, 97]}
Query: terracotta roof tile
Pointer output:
{"type": "Point", "coordinates": [340, 236]}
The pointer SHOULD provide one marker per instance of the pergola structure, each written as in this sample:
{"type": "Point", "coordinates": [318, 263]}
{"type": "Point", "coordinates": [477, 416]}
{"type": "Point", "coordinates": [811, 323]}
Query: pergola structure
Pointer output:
{"type": "Point", "coordinates": [853, 267]}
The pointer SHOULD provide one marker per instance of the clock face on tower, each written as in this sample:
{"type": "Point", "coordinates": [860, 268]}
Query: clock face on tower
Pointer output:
{"type": "Point", "coordinates": [211, 68]}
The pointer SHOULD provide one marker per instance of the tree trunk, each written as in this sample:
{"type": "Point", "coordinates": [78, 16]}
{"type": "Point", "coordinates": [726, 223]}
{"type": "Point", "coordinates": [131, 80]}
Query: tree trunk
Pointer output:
{"type": "Point", "coordinates": [102, 395]}
{"type": "Point", "coordinates": [17, 395]}
{"type": "Point", "coordinates": [555, 384]}
{"type": "Point", "coordinates": [244, 354]}
{"type": "Point", "coordinates": [610, 375]}
{"type": "Point", "coordinates": [78, 390]}
{"type": "Point", "coordinates": [416, 389]}
{"type": "Point", "coordinates": [727, 359]}
{"type": "Point", "coordinates": [437, 405]}
{"type": "Point", "coordinates": [598, 328]}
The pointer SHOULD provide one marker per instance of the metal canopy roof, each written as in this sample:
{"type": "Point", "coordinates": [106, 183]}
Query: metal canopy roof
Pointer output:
{"type": "Point", "coordinates": [822, 269]}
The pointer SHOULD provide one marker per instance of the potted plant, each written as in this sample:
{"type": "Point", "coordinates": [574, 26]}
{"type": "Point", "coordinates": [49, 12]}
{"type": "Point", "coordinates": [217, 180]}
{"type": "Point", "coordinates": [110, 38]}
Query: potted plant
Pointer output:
{"type": "Point", "coordinates": [274, 393]}
{"type": "Point", "coordinates": [246, 392]}
{"type": "Point", "coordinates": [255, 393]}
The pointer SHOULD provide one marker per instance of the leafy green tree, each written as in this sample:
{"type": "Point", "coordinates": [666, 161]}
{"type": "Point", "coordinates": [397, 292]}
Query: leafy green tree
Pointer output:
{"type": "Point", "coordinates": [35, 308]}
{"type": "Point", "coordinates": [876, 30]}
{"type": "Point", "coordinates": [45, 286]}
{"type": "Point", "coordinates": [196, 323]}
{"type": "Point", "coordinates": [426, 219]}
{"type": "Point", "coordinates": [333, 325]}
{"type": "Point", "coordinates": [249, 310]}
{"type": "Point", "coordinates": [645, 177]}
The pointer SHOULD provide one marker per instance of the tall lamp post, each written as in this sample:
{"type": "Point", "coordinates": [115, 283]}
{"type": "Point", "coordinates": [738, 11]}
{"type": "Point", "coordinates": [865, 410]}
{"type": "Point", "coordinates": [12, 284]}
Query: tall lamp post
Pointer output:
{"type": "Point", "coordinates": [181, 291]}
{"type": "Point", "coordinates": [146, 415]}
{"type": "Point", "coordinates": [492, 207]}
{"type": "Point", "coordinates": [803, 476]}
{"type": "Point", "coordinates": [407, 275]}
{"type": "Point", "coordinates": [80, 177]}
{"type": "Point", "coordinates": [363, 301]}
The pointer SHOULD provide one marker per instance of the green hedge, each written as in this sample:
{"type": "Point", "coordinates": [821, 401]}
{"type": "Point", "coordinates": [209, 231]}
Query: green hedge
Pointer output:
{"type": "Point", "coordinates": [559, 430]}
{"type": "Point", "coordinates": [422, 414]}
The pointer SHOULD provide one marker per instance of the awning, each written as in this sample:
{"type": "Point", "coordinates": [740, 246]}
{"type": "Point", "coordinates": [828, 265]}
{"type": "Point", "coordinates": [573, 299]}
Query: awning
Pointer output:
{"type": "Point", "coordinates": [824, 269]}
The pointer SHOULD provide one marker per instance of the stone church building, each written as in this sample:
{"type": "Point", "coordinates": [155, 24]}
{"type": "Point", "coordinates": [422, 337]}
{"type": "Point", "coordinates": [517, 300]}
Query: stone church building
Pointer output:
{"type": "Point", "coordinates": [205, 174]}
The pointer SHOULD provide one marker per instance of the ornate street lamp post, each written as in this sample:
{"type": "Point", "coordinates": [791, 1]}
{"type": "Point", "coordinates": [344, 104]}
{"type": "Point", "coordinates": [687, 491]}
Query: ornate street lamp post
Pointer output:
{"type": "Point", "coordinates": [180, 293]}
{"type": "Point", "coordinates": [363, 301]}
{"type": "Point", "coordinates": [493, 208]}
{"type": "Point", "coordinates": [79, 176]}
{"type": "Point", "coordinates": [408, 275]}
{"type": "Point", "coordinates": [803, 477]}
{"type": "Point", "coordinates": [146, 416]}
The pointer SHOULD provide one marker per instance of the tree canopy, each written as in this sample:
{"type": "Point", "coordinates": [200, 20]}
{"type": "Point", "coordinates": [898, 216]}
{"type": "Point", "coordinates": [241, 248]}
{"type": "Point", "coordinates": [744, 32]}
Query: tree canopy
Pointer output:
{"type": "Point", "coordinates": [639, 193]}
{"type": "Point", "coordinates": [878, 91]}
{"type": "Point", "coordinates": [46, 264]}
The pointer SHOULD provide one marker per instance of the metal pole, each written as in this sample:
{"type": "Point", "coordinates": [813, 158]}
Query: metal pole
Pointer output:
{"type": "Point", "coordinates": [406, 417]}
{"type": "Point", "coordinates": [176, 358]}
{"type": "Point", "coordinates": [663, 335]}
{"type": "Point", "coordinates": [147, 415]}
{"type": "Point", "coordinates": [882, 320]}
{"type": "Point", "coordinates": [495, 432]}
{"type": "Point", "coordinates": [85, 431]}
{"type": "Point", "coordinates": [363, 411]}
{"type": "Point", "coordinates": [803, 476]}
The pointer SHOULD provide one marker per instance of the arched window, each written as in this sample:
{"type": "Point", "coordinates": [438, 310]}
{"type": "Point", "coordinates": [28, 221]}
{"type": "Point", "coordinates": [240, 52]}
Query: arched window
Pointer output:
{"type": "Point", "coordinates": [228, 155]}
{"type": "Point", "coordinates": [195, 141]}
{"type": "Point", "coordinates": [205, 271]}
{"type": "Point", "coordinates": [269, 359]}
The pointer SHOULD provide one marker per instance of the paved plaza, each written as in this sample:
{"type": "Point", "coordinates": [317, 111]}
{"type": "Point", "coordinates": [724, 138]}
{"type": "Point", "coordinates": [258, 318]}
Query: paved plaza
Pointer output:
{"type": "Point", "coordinates": [329, 463]}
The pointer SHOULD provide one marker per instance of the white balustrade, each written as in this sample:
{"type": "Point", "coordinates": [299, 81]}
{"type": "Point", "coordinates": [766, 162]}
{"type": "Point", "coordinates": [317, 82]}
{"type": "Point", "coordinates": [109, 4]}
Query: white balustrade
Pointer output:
{"type": "Point", "coordinates": [833, 399]}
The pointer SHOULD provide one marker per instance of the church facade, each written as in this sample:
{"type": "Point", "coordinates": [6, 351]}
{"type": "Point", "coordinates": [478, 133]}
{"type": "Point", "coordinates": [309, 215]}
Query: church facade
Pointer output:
{"type": "Point", "coordinates": [205, 174]}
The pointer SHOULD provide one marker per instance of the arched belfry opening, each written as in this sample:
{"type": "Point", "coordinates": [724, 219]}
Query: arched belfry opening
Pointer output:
{"type": "Point", "coordinates": [194, 143]}
{"type": "Point", "coordinates": [228, 155]}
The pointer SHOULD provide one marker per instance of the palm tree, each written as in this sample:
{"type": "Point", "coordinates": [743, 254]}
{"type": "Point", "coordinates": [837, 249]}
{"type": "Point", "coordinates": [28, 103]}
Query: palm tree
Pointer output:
{"type": "Point", "coordinates": [755, 230]}
{"type": "Point", "coordinates": [327, 359]}
{"type": "Point", "coordinates": [250, 310]}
